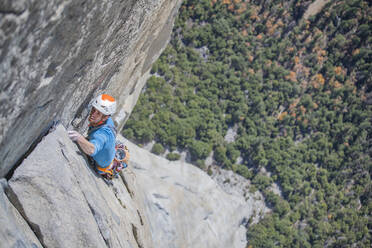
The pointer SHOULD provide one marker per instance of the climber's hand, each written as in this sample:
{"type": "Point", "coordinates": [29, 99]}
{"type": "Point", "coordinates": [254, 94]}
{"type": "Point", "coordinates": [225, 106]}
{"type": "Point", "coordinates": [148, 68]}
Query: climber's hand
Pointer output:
{"type": "Point", "coordinates": [74, 136]}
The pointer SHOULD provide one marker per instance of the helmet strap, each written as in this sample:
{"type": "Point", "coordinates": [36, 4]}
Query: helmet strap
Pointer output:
{"type": "Point", "coordinates": [101, 122]}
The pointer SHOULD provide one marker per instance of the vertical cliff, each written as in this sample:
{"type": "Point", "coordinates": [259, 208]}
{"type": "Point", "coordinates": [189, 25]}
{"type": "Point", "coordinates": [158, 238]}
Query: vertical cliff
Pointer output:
{"type": "Point", "coordinates": [56, 55]}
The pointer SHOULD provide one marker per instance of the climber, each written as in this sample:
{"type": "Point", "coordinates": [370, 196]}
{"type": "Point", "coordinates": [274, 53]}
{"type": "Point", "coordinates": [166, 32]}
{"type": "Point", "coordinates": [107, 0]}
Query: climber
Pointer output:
{"type": "Point", "coordinates": [100, 145]}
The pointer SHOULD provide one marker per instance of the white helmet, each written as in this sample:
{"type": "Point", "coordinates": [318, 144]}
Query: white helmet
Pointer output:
{"type": "Point", "coordinates": [105, 104]}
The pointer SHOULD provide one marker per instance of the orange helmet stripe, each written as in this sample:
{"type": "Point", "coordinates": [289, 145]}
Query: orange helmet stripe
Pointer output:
{"type": "Point", "coordinates": [108, 97]}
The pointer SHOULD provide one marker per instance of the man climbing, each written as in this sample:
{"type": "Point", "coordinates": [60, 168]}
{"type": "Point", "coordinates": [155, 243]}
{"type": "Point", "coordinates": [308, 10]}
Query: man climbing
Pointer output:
{"type": "Point", "coordinates": [100, 145]}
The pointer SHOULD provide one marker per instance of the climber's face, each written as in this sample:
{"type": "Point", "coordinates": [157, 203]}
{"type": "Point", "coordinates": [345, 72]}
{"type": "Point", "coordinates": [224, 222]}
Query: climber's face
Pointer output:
{"type": "Point", "coordinates": [96, 117]}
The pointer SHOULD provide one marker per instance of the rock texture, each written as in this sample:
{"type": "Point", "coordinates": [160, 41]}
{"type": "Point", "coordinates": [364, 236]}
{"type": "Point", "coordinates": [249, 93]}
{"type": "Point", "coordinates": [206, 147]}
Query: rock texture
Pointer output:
{"type": "Point", "coordinates": [14, 230]}
{"type": "Point", "coordinates": [56, 55]}
{"type": "Point", "coordinates": [314, 8]}
{"type": "Point", "coordinates": [186, 208]}
{"type": "Point", "coordinates": [68, 205]}
{"type": "Point", "coordinates": [235, 184]}
{"type": "Point", "coordinates": [55, 199]}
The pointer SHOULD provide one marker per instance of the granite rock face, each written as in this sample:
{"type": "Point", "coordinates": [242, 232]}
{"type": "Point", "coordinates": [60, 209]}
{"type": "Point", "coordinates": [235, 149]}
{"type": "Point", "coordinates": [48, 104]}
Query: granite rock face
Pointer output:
{"type": "Point", "coordinates": [56, 55]}
{"type": "Point", "coordinates": [55, 199]}
{"type": "Point", "coordinates": [186, 208]}
{"type": "Point", "coordinates": [14, 230]}
{"type": "Point", "coordinates": [68, 205]}
{"type": "Point", "coordinates": [235, 184]}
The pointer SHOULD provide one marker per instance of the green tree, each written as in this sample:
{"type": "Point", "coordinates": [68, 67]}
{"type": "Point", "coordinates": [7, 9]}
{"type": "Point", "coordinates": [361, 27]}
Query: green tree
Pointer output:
{"type": "Point", "coordinates": [173, 156]}
{"type": "Point", "coordinates": [157, 149]}
{"type": "Point", "coordinates": [199, 149]}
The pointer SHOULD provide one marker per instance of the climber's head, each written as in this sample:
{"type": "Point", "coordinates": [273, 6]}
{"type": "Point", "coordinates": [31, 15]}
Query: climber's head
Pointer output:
{"type": "Point", "coordinates": [103, 106]}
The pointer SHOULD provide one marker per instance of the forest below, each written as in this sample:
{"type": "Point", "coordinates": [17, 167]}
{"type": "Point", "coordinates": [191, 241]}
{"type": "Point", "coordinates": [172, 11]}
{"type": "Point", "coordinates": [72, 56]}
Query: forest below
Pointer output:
{"type": "Point", "coordinates": [298, 94]}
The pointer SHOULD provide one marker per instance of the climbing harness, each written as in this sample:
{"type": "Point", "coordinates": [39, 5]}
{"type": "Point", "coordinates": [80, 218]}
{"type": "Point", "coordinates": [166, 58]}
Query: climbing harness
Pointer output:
{"type": "Point", "coordinates": [118, 164]}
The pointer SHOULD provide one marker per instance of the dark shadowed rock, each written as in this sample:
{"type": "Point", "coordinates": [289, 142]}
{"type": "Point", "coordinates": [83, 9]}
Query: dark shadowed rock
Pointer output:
{"type": "Point", "coordinates": [13, 6]}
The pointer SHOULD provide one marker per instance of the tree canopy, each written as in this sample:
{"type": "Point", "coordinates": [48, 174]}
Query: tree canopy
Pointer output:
{"type": "Point", "coordinates": [297, 93]}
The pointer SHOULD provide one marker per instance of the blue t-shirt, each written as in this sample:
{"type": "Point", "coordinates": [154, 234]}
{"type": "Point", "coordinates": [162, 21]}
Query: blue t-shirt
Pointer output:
{"type": "Point", "coordinates": [103, 140]}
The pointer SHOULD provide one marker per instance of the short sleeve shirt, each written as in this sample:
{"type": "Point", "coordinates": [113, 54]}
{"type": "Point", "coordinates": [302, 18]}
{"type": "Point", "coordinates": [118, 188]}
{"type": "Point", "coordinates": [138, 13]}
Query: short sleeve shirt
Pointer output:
{"type": "Point", "coordinates": [103, 140]}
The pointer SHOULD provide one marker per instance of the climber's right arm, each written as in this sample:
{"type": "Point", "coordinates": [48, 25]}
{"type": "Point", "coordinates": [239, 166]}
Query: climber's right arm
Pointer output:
{"type": "Point", "coordinates": [84, 144]}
